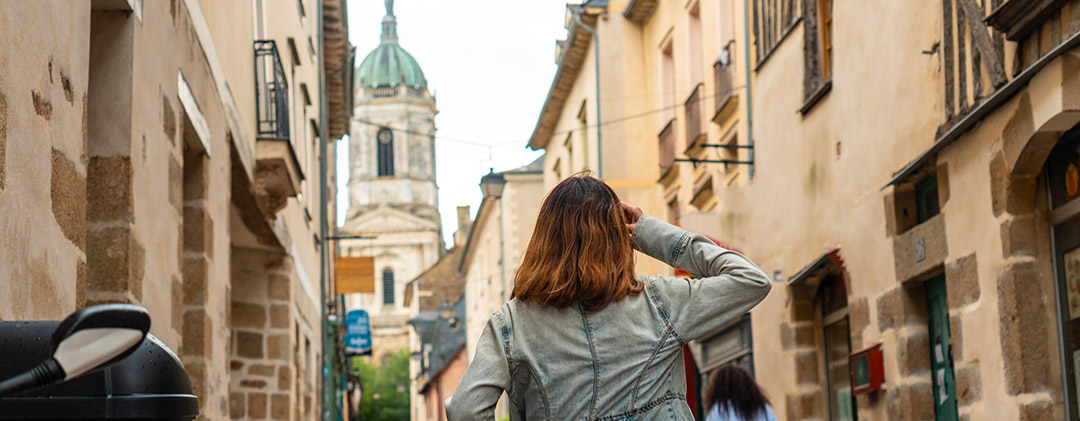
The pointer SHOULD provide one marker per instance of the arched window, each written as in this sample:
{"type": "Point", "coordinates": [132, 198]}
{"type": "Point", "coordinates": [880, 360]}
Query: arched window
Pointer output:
{"type": "Point", "coordinates": [388, 286]}
{"type": "Point", "coordinates": [385, 141]}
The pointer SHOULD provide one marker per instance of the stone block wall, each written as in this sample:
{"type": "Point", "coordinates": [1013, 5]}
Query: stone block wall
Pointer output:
{"type": "Point", "coordinates": [266, 351]}
{"type": "Point", "coordinates": [43, 162]}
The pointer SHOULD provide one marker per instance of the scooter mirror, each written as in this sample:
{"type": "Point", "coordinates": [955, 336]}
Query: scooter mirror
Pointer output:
{"type": "Point", "coordinates": [88, 339]}
{"type": "Point", "coordinates": [98, 336]}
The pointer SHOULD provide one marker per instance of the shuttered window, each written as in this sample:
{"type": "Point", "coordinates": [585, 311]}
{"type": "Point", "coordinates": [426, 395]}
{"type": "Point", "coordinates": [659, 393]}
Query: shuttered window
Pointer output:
{"type": "Point", "coordinates": [388, 286]}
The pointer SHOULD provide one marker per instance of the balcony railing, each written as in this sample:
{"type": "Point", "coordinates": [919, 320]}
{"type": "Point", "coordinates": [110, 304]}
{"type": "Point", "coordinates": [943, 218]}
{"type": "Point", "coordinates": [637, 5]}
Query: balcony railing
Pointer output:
{"type": "Point", "coordinates": [271, 92]}
{"type": "Point", "coordinates": [723, 81]}
{"type": "Point", "coordinates": [667, 148]}
{"type": "Point", "coordinates": [384, 91]}
{"type": "Point", "coordinates": [693, 105]}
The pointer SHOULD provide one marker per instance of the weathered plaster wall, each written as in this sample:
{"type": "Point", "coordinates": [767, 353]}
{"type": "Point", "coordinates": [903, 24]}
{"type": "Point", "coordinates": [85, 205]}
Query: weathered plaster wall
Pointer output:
{"type": "Point", "coordinates": [43, 159]}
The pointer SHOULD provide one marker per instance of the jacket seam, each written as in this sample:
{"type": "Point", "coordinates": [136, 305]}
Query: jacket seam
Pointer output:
{"type": "Point", "coordinates": [680, 249]}
{"type": "Point", "coordinates": [665, 398]}
{"type": "Point", "coordinates": [651, 294]}
{"type": "Point", "coordinates": [649, 363]}
{"type": "Point", "coordinates": [539, 384]}
{"type": "Point", "coordinates": [595, 360]}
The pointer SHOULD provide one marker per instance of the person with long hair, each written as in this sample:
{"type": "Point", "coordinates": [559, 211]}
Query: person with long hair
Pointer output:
{"type": "Point", "coordinates": [583, 337]}
{"type": "Point", "coordinates": [733, 395]}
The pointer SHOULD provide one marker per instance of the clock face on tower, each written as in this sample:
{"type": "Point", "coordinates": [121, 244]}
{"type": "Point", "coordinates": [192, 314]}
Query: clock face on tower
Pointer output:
{"type": "Point", "coordinates": [385, 136]}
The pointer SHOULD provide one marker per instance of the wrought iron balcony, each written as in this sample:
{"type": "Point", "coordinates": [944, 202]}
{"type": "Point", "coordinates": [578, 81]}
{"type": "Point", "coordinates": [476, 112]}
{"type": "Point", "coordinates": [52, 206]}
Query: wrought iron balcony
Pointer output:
{"type": "Point", "coordinates": [667, 149]}
{"type": "Point", "coordinates": [271, 92]}
{"type": "Point", "coordinates": [723, 82]}
{"type": "Point", "coordinates": [694, 127]}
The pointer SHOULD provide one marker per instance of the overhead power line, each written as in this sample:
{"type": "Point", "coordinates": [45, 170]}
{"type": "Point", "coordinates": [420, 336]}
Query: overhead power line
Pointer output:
{"type": "Point", "coordinates": [555, 133]}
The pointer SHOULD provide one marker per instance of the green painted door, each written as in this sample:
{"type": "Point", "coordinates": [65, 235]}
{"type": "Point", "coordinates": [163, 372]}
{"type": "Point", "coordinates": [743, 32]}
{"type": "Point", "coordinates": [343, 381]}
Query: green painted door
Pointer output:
{"type": "Point", "coordinates": [941, 362]}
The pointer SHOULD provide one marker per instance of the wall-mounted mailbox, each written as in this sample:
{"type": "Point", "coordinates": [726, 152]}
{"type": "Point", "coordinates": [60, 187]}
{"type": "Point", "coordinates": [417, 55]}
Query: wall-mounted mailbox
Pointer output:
{"type": "Point", "coordinates": [867, 369]}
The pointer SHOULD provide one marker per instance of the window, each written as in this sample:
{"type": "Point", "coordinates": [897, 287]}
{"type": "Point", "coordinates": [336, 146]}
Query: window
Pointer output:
{"type": "Point", "coordinates": [557, 169]}
{"type": "Point", "coordinates": [668, 81]}
{"type": "Point", "coordinates": [582, 116]}
{"type": "Point", "coordinates": [307, 95]}
{"type": "Point", "coordinates": [825, 35]}
{"type": "Point", "coordinates": [817, 53]}
{"type": "Point", "coordinates": [385, 149]}
{"type": "Point", "coordinates": [731, 345]}
{"type": "Point", "coordinates": [388, 286]}
{"type": "Point", "coordinates": [569, 145]}
{"type": "Point", "coordinates": [293, 51]}
{"type": "Point", "coordinates": [832, 298]}
{"type": "Point", "coordinates": [926, 199]}
{"type": "Point", "coordinates": [773, 20]}
{"type": "Point", "coordinates": [673, 211]}
{"type": "Point", "coordinates": [694, 44]}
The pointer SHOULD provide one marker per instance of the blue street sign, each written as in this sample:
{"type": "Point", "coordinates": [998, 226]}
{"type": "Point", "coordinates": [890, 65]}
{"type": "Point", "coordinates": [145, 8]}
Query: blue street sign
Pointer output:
{"type": "Point", "coordinates": [357, 333]}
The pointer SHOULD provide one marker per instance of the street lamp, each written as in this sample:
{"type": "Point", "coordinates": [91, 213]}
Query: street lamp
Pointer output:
{"type": "Point", "coordinates": [492, 184]}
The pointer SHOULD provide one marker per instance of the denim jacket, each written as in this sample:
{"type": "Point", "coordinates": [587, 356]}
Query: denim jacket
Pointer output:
{"type": "Point", "coordinates": [622, 362]}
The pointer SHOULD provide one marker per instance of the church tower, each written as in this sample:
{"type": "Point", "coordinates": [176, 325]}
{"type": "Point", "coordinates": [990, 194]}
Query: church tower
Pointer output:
{"type": "Point", "coordinates": [393, 197]}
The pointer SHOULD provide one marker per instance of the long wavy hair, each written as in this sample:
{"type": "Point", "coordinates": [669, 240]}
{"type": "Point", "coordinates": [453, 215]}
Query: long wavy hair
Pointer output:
{"type": "Point", "coordinates": [580, 251]}
{"type": "Point", "coordinates": [732, 386]}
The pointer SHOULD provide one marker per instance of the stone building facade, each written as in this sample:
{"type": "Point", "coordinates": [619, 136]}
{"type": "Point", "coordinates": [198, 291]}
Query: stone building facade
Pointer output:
{"type": "Point", "coordinates": [144, 160]}
{"type": "Point", "coordinates": [906, 173]}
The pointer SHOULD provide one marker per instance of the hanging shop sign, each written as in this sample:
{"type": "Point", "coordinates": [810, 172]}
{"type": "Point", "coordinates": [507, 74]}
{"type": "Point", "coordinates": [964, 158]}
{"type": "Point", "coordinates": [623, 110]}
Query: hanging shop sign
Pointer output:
{"type": "Point", "coordinates": [357, 333]}
{"type": "Point", "coordinates": [355, 275]}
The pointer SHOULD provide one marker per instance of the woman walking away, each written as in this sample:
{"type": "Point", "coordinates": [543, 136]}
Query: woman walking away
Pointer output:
{"type": "Point", "coordinates": [733, 395]}
{"type": "Point", "coordinates": [582, 337]}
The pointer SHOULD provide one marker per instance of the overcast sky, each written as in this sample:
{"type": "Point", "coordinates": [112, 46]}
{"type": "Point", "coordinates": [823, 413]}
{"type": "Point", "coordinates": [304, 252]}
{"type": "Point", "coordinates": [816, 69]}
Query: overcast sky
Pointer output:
{"type": "Point", "coordinates": [489, 63]}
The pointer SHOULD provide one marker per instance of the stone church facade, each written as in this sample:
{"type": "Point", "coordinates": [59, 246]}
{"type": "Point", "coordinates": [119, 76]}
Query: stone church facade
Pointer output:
{"type": "Point", "coordinates": [393, 198]}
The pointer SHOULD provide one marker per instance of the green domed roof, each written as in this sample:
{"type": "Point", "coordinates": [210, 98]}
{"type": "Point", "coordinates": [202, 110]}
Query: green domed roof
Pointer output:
{"type": "Point", "coordinates": [389, 64]}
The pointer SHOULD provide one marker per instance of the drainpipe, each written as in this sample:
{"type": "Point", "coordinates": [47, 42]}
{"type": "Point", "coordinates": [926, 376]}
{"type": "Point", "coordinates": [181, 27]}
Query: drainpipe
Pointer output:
{"type": "Point", "coordinates": [502, 253]}
{"type": "Point", "coordinates": [324, 263]}
{"type": "Point", "coordinates": [749, 97]}
{"type": "Point", "coordinates": [596, 50]}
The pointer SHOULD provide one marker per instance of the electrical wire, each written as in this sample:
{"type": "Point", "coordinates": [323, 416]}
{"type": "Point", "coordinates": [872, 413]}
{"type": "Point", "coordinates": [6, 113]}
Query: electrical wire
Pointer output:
{"type": "Point", "coordinates": [555, 133]}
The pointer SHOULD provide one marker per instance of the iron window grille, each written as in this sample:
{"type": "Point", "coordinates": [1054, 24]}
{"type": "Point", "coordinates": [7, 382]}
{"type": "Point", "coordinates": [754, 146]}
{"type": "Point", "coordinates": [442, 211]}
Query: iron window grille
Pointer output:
{"type": "Point", "coordinates": [271, 92]}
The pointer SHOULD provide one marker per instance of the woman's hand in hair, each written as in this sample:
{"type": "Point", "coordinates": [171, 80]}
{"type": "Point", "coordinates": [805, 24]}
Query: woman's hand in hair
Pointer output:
{"type": "Point", "coordinates": [632, 214]}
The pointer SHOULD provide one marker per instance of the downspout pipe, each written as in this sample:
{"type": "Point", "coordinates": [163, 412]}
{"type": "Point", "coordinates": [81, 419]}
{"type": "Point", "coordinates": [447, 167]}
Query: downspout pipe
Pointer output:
{"type": "Point", "coordinates": [324, 254]}
{"type": "Point", "coordinates": [599, 125]}
{"type": "Point", "coordinates": [749, 95]}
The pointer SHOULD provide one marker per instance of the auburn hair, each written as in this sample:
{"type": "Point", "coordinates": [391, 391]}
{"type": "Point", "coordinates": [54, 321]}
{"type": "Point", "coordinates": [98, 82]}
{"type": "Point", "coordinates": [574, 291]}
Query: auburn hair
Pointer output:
{"type": "Point", "coordinates": [580, 250]}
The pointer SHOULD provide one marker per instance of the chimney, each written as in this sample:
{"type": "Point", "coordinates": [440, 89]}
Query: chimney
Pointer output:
{"type": "Point", "coordinates": [464, 223]}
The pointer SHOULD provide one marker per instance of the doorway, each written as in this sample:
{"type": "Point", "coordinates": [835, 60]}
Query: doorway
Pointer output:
{"type": "Point", "coordinates": [941, 360]}
{"type": "Point", "coordinates": [1061, 178]}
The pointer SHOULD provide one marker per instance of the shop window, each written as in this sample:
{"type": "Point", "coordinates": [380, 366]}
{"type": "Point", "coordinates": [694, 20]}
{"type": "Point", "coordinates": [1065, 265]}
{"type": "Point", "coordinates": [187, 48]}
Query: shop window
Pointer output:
{"type": "Point", "coordinates": [1061, 178]}
{"type": "Point", "coordinates": [832, 298]}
